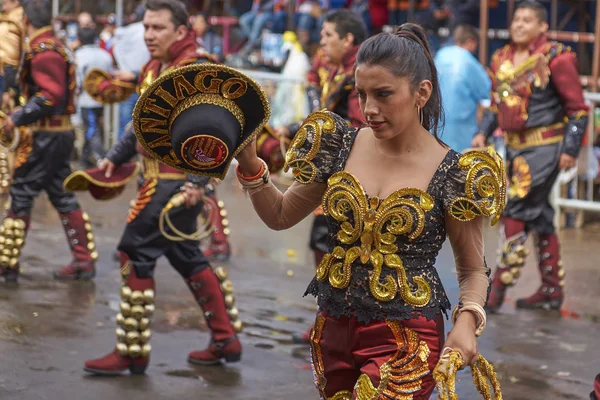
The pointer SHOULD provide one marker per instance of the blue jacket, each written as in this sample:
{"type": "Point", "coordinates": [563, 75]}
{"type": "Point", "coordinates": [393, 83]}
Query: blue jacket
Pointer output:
{"type": "Point", "coordinates": [464, 84]}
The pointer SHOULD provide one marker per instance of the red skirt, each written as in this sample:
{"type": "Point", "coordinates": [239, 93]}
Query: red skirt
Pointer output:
{"type": "Point", "coordinates": [378, 360]}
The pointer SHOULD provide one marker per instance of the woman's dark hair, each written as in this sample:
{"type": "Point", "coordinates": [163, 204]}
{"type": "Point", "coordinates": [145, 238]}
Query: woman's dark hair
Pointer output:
{"type": "Point", "coordinates": [38, 12]}
{"type": "Point", "coordinates": [406, 53]}
{"type": "Point", "coordinates": [179, 14]}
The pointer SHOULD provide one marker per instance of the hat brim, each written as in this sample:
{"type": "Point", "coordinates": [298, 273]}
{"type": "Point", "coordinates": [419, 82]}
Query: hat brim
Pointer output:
{"type": "Point", "coordinates": [99, 186]}
{"type": "Point", "coordinates": [161, 113]}
{"type": "Point", "coordinates": [103, 88]}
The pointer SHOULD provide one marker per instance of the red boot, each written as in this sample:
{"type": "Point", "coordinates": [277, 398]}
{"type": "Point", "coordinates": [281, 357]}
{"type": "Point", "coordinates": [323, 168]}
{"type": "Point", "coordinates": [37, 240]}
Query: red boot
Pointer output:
{"type": "Point", "coordinates": [512, 260]}
{"type": "Point", "coordinates": [81, 241]}
{"type": "Point", "coordinates": [133, 334]}
{"type": "Point", "coordinates": [215, 298]}
{"type": "Point", "coordinates": [218, 249]}
{"type": "Point", "coordinates": [12, 239]}
{"type": "Point", "coordinates": [550, 295]}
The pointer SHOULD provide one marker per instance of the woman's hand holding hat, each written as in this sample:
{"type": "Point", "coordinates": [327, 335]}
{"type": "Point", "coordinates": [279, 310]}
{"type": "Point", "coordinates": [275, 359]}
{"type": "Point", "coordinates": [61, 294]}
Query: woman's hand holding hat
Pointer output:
{"type": "Point", "coordinates": [249, 163]}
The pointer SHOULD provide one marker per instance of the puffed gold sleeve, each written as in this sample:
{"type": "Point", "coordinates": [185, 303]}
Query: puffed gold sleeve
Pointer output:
{"type": "Point", "coordinates": [476, 186]}
{"type": "Point", "coordinates": [315, 149]}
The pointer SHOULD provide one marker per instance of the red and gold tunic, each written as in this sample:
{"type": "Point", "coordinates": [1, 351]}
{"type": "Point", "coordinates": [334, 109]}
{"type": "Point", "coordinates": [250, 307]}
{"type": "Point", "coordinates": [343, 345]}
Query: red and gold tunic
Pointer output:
{"type": "Point", "coordinates": [48, 84]}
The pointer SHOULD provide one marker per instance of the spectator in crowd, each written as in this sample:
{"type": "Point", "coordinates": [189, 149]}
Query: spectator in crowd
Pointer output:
{"type": "Point", "coordinates": [254, 21]}
{"type": "Point", "coordinates": [84, 20]}
{"type": "Point", "coordinates": [464, 84]}
{"type": "Point", "coordinates": [88, 56]}
{"type": "Point", "coordinates": [130, 53]}
{"type": "Point", "coordinates": [463, 12]}
{"type": "Point", "coordinates": [399, 10]}
{"type": "Point", "coordinates": [206, 37]}
{"type": "Point", "coordinates": [108, 33]}
{"type": "Point", "coordinates": [310, 17]}
{"type": "Point", "coordinates": [379, 14]}
{"type": "Point", "coordinates": [280, 16]}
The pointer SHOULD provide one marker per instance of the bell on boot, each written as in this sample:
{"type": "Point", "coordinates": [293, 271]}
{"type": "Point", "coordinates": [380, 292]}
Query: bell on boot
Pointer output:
{"type": "Point", "coordinates": [132, 351]}
{"type": "Point", "coordinates": [83, 248]}
{"type": "Point", "coordinates": [207, 288]}
{"type": "Point", "coordinates": [547, 298]}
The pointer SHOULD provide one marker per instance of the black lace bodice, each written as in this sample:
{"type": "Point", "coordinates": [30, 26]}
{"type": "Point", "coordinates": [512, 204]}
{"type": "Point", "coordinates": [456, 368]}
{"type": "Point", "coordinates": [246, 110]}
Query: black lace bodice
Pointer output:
{"type": "Point", "coordinates": [380, 263]}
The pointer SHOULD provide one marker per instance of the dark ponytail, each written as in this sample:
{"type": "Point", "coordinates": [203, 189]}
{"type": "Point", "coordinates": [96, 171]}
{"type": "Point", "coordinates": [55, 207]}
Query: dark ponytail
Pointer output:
{"type": "Point", "coordinates": [406, 53]}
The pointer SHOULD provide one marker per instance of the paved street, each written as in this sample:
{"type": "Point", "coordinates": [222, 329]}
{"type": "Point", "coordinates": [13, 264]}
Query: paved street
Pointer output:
{"type": "Point", "coordinates": [48, 328]}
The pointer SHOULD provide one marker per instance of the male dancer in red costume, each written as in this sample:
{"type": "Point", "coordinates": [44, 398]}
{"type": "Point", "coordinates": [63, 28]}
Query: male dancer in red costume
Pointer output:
{"type": "Point", "coordinates": [538, 102]}
{"type": "Point", "coordinates": [171, 44]}
{"type": "Point", "coordinates": [47, 82]}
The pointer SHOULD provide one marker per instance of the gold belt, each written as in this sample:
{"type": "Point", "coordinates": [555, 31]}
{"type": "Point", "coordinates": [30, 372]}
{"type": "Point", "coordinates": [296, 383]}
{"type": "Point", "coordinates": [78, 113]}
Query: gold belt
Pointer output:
{"type": "Point", "coordinates": [55, 123]}
{"type": "Point", "coordinates": [151, 168]}
{"type": "Point", "coordinates": [536, 136]}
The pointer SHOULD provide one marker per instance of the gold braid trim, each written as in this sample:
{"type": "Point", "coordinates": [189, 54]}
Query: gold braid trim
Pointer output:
{"type": "Point", "coordinates": [402, 375]}
{"type": "Point", "coordinates": [23, 149]}
{"type": "Point", "coordinates": [144, 197]}
{"type": "Point", "coordinates": [485, 187]}
{"type": "Point", "coordinates": [482, 371]}
{"type": "Point", "coordinates": [302, 151]}
{"type": "Point", "coordinates": [213, 99]}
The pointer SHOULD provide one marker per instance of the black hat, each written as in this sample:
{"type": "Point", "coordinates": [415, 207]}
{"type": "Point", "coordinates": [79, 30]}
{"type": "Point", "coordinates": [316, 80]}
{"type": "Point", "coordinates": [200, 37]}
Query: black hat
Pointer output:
{"type": "Point", "coordinates": [197, 118]}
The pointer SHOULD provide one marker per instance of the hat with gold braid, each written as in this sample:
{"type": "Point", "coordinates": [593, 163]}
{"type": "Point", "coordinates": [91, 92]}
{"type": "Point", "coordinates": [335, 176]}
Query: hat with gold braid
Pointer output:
{"type": "Point", "coordinates": [197, 118]}
{"type": "Point", "coordinates": [102, 87]}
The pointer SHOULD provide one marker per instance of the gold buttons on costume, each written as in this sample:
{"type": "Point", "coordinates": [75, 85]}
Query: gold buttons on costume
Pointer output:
{"type": "Point", "coordinates": [227, 289]}
{"type": "Point", "coordinates": [12, 234]}
{"type": "Point", "coordinates": [138, 311]}
{"type": "Point", "coordinates": [227, 286]}
{"type": "Point", "coordinates": [149, 296]}
{"type": "Point", "coordinates": [149, 310]}
{"type": "Point", "coordinates": [229, 300]}
{"type": "Point", "coordinates": [122, 349]}
{"type": "Point", "coordinates": [125, 293]}
{"type": "Point", "coordinates": [136, 298]}
{"type": "Point", "coordinates": [133, 333]}
{"type": "Point", "coordinates": [221, 273]}
{"type": "Point", "coordinates": [506, 278]}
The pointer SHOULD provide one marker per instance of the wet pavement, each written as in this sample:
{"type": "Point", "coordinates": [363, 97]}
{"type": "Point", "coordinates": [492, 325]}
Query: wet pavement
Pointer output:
{"type": "Point", "coordinates": [48, 328]}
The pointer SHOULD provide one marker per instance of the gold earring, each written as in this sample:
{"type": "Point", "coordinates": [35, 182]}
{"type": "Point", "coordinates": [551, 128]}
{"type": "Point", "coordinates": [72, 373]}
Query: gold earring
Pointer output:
{"type": "Point", "coordinates": [420, 112]}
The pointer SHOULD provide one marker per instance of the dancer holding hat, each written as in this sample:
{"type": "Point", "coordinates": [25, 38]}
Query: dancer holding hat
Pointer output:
{"type": "Point", "coordinates": [171, 45]}
{"type": "Point", "coordinates": [391, 192]}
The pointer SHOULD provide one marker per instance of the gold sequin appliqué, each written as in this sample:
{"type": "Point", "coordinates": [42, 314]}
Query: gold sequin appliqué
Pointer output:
{"type": "Point", "coordinates": [375, 224]}
{"type": "Point", "coordinates": [144, 197]}
{"type": "Point", "coordinates": [317, 357]}
{"type": "Point", "coordinates": [402, 375]}
{"type": "Point", "coordinates": [520, 182]}
{"type": "Point", "coordinates": [313, 128]}
{"type": "Point", "coordinates": [485, 188]}
{"type": "Point", "coordinates": [514, 80]}
{"type": "Point", "coordinates": [23, 149]}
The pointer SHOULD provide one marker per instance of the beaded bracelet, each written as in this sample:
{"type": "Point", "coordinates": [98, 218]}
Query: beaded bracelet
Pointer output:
{"type": "Point", "coordinates": [254, 182]}
{"type": "Point", "coordinates": [476, 310]}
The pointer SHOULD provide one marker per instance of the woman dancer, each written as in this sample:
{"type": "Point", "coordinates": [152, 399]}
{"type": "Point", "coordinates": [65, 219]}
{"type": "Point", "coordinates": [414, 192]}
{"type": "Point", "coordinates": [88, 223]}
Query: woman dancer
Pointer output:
{"type": "Point", "coordinates": [391, 192]}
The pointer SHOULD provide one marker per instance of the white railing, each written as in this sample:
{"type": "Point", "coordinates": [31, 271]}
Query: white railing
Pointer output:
{"type": "Point", "coordinates": [562, 204]}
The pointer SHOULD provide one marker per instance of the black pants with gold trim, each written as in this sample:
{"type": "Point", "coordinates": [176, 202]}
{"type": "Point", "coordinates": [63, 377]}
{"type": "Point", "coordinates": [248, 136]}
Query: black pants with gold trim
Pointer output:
{"type": "Point", "coordinates": [45, 168]}
{"type": "Point", "coordinates": [532, 172]}
{"type": "Point", "coordinates": [381, 359]}
{"type": "Point", "coordinates": [143, 242]}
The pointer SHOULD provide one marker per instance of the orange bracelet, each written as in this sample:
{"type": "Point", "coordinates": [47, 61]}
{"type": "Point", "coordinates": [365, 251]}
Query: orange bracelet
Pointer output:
{"type": "Point", "coordinates": [251, 178]}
